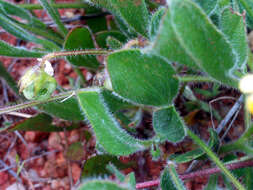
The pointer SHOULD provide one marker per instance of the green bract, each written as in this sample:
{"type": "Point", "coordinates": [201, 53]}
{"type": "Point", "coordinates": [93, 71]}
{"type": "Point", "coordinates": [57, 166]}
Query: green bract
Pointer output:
{"type": "Point", "coordinates": [36, 84]}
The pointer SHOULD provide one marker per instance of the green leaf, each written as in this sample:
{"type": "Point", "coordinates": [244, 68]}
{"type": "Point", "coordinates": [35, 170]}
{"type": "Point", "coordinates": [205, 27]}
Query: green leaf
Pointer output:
{"type": "Point", "coordinates": [232, 25]}
{"type": "Point", "coordinates": [96, 165]}
{"type": "Point", "coordinates": [247, 177]}
{"type": "Point", "coordinates": [80, 38]}
{"type": "Point", "coordinates": [188, 156]}
{"type": "Point", "coordinates": [11, 51]}
{"type": "Point", "coordinates": [41, 122]}
{"type": "Point", "coordinates": [68, 109]}
{"type": "Point", "coordinates": [97, 24]}
{"type": "Point", "coordinates": [53, 13]}
{"type": "Point", "coordinates": [8, 78]}
{"type": "Point", "coordinates": [102, 36]}
{"type": "Point", "coordinates": [188, 36]}
{"type": "Point", "coordinates": [129, 77]}
{"type": "Point", "coordinates": [155, 22]}
{"type": "Point", "coordinates": [109, 134]}
{"type": "Point", "coordinates": [170, 179]}
{"type": "Point", "coordinates": [212, 183]}
{"type": "Point", "coordinates": [100, 185]}
{"type": "Point", "coordinates": [113, 102]}
{"type": "Point", "coordinates": [113, 43]}
{"type": "Point", "coordinates": [12, 9]}
{"type": "Point", "coordinates": [208, 6]}
{"type": "Point", "coordinates": [13, 28]}
{"type": "Point", "coordinates": [134, 13]}
{"type": "Point", "coordinates": [168, 125]}
{"type": "Point", "coordinates": [247, 5]}
{"type": "Point", "coordinates": [197, 153]}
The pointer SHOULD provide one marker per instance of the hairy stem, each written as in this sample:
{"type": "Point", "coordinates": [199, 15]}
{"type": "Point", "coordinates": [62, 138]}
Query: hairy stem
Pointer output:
{"type": "Point", "coordinates": [215, 159]}
{"type": "Point", "coordinates": [73, 53]}
{"type": "Point", "coordinates": [200, 173]}
{"type": "Point", "coordinates": [34, 103]}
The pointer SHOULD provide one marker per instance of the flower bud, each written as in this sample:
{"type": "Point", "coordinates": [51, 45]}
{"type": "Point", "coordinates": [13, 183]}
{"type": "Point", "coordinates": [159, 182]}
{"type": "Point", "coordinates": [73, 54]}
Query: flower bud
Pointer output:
{"type": "Point", "coordinates": [37, 84]}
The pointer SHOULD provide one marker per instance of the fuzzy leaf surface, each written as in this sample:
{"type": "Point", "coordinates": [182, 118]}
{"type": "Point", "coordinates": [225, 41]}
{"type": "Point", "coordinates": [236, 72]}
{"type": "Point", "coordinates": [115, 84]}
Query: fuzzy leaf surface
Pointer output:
{"type": "Point", "coordinates": [8, 78]}
{"type": "Point", "coordinates": [8, 50]}
{"type": "Point", "coordinates": [232, 25]}
{"type": "Point", "coordinates": [170, 179]}
{"type": "Point", "coordinates": [68, 110]}
{"type": "Point", "coordinates": [96, 165]}
{"type": "Point", "coordinates": [168, 125]}
{"type": "Point", "coordinates": [100, 185]}
{"type": "Point", "coordinates": [41, 122]}
{"type": "Point", "coordinates": [108, 132]}
{"type": "Point", "coordinates": [155, 22]}
{"type": "Point", "coordinates": [128, 73]}
{"type": "Point", "coordinates": [102, 36]}
{"type": "Point", "coordinates": [134, 13]}
{"type": "Point", "coordinates": [189, 37]}
{"type": "Point", "coordinates": [80, 38]}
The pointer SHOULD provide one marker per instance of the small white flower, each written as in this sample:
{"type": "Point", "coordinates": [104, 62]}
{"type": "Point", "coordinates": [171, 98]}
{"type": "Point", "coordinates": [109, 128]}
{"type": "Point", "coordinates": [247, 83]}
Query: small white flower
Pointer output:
{"type": "Point", "coordinates": [48, 67]}
{"type": "Point", "coordinates": [246, 84]}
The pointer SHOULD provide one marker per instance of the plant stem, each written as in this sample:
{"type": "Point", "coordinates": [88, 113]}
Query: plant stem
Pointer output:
{"type": "Point", "coordinates": [33, 103]}
{"type": "Point", "coordinates": [193, 78]}
{"type": "Point", "coordinates": [215, 159]}
{"type": "Point", "coordinates": [201, 173]}
{"type": "Point", "coordinates": [73, 53]}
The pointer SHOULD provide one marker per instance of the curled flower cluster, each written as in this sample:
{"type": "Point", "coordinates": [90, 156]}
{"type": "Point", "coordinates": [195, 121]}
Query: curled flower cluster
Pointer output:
{"type": "Point", "coordinates": [246, 87]}
{"type": "Point", "coordinates": [38, 82]}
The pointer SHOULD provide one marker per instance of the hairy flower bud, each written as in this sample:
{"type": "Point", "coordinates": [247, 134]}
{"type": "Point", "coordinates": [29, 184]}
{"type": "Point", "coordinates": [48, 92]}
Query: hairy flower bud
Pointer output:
{"type": "Point", "coordinates": [37, 84]}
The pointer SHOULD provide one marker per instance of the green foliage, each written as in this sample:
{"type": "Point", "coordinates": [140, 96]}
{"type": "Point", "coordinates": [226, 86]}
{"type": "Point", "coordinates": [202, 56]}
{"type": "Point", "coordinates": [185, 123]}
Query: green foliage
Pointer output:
{"type": "Point", "coordinates": [100, 184]}
{"type": "Point", "coordinates": [80, 38]}
{"type": "Point", "coordinates": [134, 13]}
{"type": "Point", "coordinates": [96, 165]}
{"type": "Point", "coordinates": [168, 125]}
{"type": "Point", "coordinates": [101, 37]}
{"type": "Point", "coordinates": [170, 179]}
{"type": "Point", "coordinates": [62, 109]}
{"type": "Point", "coordinates": [11, 51]}
{"type": "Point", "coordinates": [232, 25]}
{"type": "Point", "coordinates": [8, 78]}
{"type": "Point", "coordinates": [127, 68]}
{"type": "Point", "coordinates": [149, 51]}
{"type": "Point", "coordinates": [189, 37]}
{"type": "Point", "coordinates": [108, 132]}
{"type": "Point", "coordinates": [41, 122]}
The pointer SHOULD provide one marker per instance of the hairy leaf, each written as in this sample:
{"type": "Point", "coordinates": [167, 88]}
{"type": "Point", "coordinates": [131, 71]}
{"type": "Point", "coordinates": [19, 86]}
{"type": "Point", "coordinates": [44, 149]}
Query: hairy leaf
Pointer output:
{"type": "Point", "coordinates": [102, 36]}
{"type": "Point", "coordinates": [156, 21]}
{"type": "Point", "coordinates": [232, 25]}
{"type": "Point", "coordinates": [41, 122]}
{"type": "Point", "coordinates": [68, 109]}
{"type": "Point", "coordinates": [134, 13]}
{"type": "Point", "coordinates": [100, 185]}
{"type": "Point", "coordinates": [189, 37]}
{"type": "Point", "coordinates": [80, 38]}
{"type": "Point", "coordinates": [128, 73]}
{"type": "Point", "coordinates": [96, 165]}
{"type": "Point", "coordinates": [53, 13]}
{"type": "Point", "coordinates": [8, 78]}
{"type": "Point", "coordinates": [109, 134]}
{"type": "Point", "coordinates": [8, 50]}
{"type": "Point", "coordinates": [170, 179]}
{"type": "Point", "coordinates": [168, 124]}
